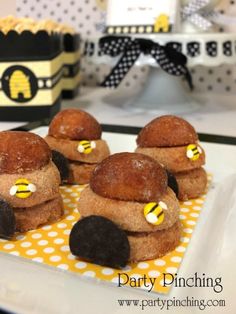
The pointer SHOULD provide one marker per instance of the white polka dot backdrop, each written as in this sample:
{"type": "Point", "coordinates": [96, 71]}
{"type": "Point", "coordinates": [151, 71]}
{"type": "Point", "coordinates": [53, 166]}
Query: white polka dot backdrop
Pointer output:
{"type": "Point", "coordinates": [88, 17]}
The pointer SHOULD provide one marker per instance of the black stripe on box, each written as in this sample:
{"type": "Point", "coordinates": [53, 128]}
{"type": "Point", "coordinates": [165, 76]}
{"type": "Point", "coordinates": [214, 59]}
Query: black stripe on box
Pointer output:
{"type": "Point", "coordinates": [43, 81]}
{"type": "Point", "coordinates": [70, 94]}
{"type": "Point", "coordinates": [29, 113]}
{"type": "Point", "coordinates": [28, 46]}
{"type": "Point", "coordinates": [71, 70]}
{"type": "Point", "coordinates": [134, 29]}
{"type": "Point", "coordinates": [71, 42]}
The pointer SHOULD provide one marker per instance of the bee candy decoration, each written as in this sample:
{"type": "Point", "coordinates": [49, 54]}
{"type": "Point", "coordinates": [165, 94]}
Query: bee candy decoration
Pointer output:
{"type": "Point", "coordinates": [128, 198]}
{"type": "Point", "coordinates": [86, 147]}
{"type": "Point", "coordinates": [173, 142]}
{"type": "Point", "coordinates": [22, 188]}
{"type": "Point", "coordinates": [29, 183]}
{"type": "Point", "coordinates": [193, 152]}
{"type": "Point", "coordinates": [77, 136]}
{"type": "Point", "coordinates": [154, 213]}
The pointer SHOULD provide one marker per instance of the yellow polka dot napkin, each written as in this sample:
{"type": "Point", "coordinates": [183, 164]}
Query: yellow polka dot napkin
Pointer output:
{"type": "Point", "coordinates": [49, 245]}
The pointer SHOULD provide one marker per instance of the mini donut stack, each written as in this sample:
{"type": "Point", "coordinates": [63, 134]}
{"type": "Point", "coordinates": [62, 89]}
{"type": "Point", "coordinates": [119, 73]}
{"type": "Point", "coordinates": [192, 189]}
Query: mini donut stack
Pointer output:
{"type": "Point", "coordinates": [129, 190]}
{"type": "Point", "coordinates": [173, 142]}
{"type": "Point", "coordinates": [77, 135]}
{"type": "Point", "coordinates": [29, 183]}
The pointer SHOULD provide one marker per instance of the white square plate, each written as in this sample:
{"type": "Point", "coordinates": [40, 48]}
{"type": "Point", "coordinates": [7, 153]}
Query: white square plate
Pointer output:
{"type": "Point", "coordinates": [28, 287]}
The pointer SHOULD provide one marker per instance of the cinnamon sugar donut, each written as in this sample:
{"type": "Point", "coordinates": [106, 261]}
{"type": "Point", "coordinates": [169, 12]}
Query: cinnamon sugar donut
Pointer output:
{"type": "Point", "coordinates": [75, 124]}
{"type": "Point", "coordinates": [77, 135]}
{"type": "Point", "coordinates": [152, 245]}
{"type": "Point", "coordinates": [33, 217]}
{"type": "Point", "coordinates": [173, 142]}
{"type": "Point", "coordinates": [191, 183]}
{"type": "Point", "coordinates": [128, 215]}
{"type": "Point", "coordinates": [22, 152]}
{"type": "Point", "coordinates": [29, 182]}
{"type": "Point", "coordinates": [128, 192]}
{"type": "Point", "coordinates": [167, 131]}
{"type": "Point", "coordinates": [80, 173]}
{"type": "Point", "coordinates": [174, 158]}
{"type": "Point", "coordinates": [129, 177]}
{"type": "Point", "coordinates": [70, 150]}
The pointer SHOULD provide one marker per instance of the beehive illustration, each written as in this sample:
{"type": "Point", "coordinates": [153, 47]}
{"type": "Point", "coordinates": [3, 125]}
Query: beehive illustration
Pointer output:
{"type": "Point", "coordinates": [19, 84]}
{"type": "Point", "coordinates": [162, 23]}
{"type": "Point", "coordinates": [31, 78]}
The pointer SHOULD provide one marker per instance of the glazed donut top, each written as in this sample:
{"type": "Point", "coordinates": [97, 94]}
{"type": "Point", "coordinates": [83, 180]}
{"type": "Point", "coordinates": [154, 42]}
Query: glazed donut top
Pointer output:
{"type": "Point", "coordinates": [22, 152]}
{"type": "Point", "coordinates": [75, 124]}
{"type": "Point", "coordinates": [129, 177]}
{"type": "Point", "coordinates": [167, 131]}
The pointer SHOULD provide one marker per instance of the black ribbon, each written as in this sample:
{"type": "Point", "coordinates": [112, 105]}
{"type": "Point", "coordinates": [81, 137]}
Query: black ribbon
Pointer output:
{"type": "Point", "coordinates": [169, 59]}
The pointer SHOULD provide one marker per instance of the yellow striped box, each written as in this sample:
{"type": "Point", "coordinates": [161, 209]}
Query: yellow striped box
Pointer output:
{"type": "Point", "coordinates": [31, 69]}
{"type": "Point", "coordinates": [71, 67]}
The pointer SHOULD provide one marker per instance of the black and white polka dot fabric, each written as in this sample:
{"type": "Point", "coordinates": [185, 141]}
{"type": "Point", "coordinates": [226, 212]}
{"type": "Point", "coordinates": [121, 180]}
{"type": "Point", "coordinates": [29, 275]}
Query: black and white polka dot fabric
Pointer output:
{"type": "Point", "coordinates": [200, 21]}
{"type": "Point", "coordinates": [89, 49]}
{"type": "Point", "coordinates": [175, 45]}
{"type": "Point", "coordinates": [170, 60]}
{"type": "Point", "coordinates": [122, 68]}
{"type": "Point", "coordinates": [193, 49]}
{"type": "Point", "coordinates": [165, 63]}
{"type": "Point", "coordinates": [192, 13]}
{"type": "Point", "coordinates": [211, 48]}
{"type": "Point", "coordinates": [113, 46]}
{"type": "Point", "coordinates": [227, 48]}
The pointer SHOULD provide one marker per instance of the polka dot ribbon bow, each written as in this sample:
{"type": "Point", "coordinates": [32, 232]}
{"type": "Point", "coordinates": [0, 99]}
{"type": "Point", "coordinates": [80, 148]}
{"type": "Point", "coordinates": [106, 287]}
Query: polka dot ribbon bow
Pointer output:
{"type": "Point", "coordinates": [197, 13]}
{"type": "Point", "coordinates": [169, 59]}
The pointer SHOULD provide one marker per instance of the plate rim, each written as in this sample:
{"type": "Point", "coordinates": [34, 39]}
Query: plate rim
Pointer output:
{"type": "Point", "coordinates": [133, 130]}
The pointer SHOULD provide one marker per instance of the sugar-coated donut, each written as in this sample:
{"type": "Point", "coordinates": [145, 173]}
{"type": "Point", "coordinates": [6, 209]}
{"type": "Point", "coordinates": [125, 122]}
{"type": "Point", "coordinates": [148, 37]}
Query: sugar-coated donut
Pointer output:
{"type": "Point", "coordinates": [75, 124]}
{"type": "Point", "coordinates": [22, 152]}
{"type": "Point", "coordinates": [146, 246]}
{"type": "Point", "coordinates": [129, 192]}
{"type": "Point", "coordinates": [80, 173]}
{"type": "Point", "coordinates": [129, 177]}
{"type": "Point", "coordinates": [167, 131]}
{"type": "Point", "coordinates": [191, 184]}
{"type": "Point", "coordinates": [174, 159]}
{"type": "Point", "coordinates": [45, 180]}
{"type": "Point", "coordinates": [69, 149]}
{"type": "Point", "coordinates": [29, 183]}
{"type": "Point", "coordinates": [173, 142]}
{"type": "Point", "coordinates": [34, 217]}
{"type": "Point", "coordinates": [77, 136]}
{"type": "Point", "coordinates": [126, 214]}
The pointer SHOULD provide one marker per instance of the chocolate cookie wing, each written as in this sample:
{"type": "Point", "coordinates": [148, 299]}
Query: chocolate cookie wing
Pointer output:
{"type": "Point", "coordinates": [172, 182]}
{"type": "Point", "coordinates": [62, 164]}
{"type": "Point", "coordinates": [100, 241]}
{"type": "Point", "coordinates": [7, 220]}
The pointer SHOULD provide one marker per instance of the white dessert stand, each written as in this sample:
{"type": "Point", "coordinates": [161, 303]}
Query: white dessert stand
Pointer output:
{"type": "Point", "coordinates": [163, 92]}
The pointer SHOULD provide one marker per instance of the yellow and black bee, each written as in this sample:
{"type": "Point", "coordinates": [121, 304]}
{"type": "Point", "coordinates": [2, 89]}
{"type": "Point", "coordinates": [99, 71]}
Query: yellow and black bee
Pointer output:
{"type": "Point", "coordinates": [154, 214]}
{"type": "Point", "coordinates": [86, 147]}
{"type": "Point", "coordinates": [22, 188]}
{"type": "Point", "coordinates": [193, 152]}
